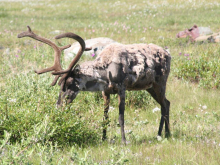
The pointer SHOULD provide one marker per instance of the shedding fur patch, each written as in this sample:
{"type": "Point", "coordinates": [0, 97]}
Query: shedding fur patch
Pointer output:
{"type": "Point", "coordinates": [135, 58]}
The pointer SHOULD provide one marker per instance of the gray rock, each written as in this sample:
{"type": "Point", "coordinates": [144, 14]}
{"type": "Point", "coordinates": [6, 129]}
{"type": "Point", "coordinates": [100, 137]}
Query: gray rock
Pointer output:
{"type": "Point", "coordinates": [217, 38]}
{"type": "Point", "coordinates": [97, 44]}
{"type": "Point", "coordinates": [204, 31]}
{"type": "Point", "coordinates": [161, 37]}
{"type": "Point", "coordinates": [56, 32]}
{"type": "Point", "coordinates": [7, 51]}
{"type": "Point", "coordinates": [28, 42]}
{"type": "Point", "coordinates": [142, 39]}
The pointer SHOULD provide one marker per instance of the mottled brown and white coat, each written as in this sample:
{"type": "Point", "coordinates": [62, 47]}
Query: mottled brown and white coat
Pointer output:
{"type": "Point", "coordinates": [116, 69]}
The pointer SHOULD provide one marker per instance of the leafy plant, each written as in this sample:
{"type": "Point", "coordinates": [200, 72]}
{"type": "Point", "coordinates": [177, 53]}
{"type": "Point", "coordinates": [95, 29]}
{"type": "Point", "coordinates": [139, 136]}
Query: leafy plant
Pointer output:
{"type": "Point", "coordinates": [139, 99]}
{"type": "Point", "coordinates": [203, 70]}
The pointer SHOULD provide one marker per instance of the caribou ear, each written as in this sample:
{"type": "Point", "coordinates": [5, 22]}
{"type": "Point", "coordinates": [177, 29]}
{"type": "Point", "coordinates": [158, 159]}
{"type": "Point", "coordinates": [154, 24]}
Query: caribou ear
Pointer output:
{"type": "Point", "coordinates": [76, 70]}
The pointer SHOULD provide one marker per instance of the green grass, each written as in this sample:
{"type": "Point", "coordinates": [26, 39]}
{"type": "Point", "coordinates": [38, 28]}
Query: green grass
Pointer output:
{"type": "Point", "coordinates": [34, 131]}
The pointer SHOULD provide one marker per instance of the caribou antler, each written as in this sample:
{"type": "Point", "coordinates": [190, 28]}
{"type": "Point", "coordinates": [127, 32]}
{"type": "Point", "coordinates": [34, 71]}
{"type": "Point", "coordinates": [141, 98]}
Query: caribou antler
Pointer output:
{"type": "Point", "coordinates": [57, 53]}
{"type": "Point", "coordinates": [77, 57]}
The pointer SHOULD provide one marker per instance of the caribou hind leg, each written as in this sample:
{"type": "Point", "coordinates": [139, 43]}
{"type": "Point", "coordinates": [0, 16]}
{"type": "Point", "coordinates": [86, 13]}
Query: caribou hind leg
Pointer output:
{"type": "Point", "coordinates": [158, 93]}
{"type": "Point", "coordinates": [165, 118]}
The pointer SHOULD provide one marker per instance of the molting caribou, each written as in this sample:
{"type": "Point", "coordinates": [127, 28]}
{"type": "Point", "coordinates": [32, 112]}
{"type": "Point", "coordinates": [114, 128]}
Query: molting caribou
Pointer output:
{"type": "Point", "coordinates": [116, 69]}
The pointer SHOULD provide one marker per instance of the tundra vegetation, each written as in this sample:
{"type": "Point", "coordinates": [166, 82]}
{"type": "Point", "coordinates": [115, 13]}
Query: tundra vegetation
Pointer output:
{"type": "Point", "coordinates": [34, 131]}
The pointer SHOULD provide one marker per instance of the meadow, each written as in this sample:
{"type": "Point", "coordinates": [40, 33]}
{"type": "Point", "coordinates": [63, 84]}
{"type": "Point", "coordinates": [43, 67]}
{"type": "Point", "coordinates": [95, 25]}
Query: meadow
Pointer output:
{"type": "Point", "coordinates": [34, 131]}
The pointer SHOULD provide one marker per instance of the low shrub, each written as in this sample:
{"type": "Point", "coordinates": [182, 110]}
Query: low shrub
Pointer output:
{"type": "Point", "coordinates": [203, 70]}
{"type": "Point", "coordinates": [29, 101]}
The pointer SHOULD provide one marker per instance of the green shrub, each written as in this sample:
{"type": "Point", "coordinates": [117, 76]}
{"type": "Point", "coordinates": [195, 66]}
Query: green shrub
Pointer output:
{"type": "Point", "coordinates": [203, 70]}
{"type": "Point", "coordinates": [138, 99]}
{"type": "Point", "coordinates": [29, 101]}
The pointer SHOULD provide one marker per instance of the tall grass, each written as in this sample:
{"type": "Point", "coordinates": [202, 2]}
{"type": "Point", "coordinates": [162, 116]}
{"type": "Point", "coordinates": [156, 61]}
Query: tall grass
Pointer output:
{"type": "Point", "coordinates": [34, 131]}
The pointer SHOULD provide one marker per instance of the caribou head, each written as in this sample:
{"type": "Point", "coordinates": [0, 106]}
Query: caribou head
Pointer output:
{"type": "Point", "coordinates": [66, 81]}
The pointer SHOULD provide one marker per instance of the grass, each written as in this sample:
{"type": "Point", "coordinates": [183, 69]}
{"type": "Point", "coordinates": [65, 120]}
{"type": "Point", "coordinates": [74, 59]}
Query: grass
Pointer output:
{"type": "Point", "coordinates": [33, 131]}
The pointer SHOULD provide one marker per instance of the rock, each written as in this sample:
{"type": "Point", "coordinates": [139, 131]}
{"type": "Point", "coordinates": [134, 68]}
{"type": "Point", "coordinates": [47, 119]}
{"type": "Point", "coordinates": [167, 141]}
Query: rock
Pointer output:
{"type": "Point", "coordinates": [199, 34]}
{"type": "Point", "coordinates": [202, 38]}
{"type": "Point", "coordinates": [192, 33]}
{"type": "Point", "coordinates": [57, 32]}
{"type": "Point", "coordinates": [97, 44]}
{"type": "Point", "coordinates": [7, 51]}
{"type": "Point", "coordinates": [161, 37]}
{"type": "Point", "coordinates": [209, 38]}
{"type": "Point", "coordinates": [28, 42]}
{"type": "Point", "coordinates": [217, 38]}
{"type": "Point", "coordinates": [203, 31]}
{"type": "Point", "coordinates": [1, 47]}
{"type": "Point", "coordinates": [142, 39]}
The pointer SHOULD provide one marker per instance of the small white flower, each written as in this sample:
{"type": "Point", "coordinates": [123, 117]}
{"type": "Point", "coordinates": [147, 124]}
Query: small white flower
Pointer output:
{"type": "Point", "coordinates": [12, 100]}
{"type": "Point", "coordinates": [156, 109]}
{"type": "Point", "coordinates": [128, 131]}
{"type": "Point", "coordinates": [204, 107]}
{"type": "Point", "coordinates": [159, 138]}
{"type": "Point", "coordinates": [111, 108]}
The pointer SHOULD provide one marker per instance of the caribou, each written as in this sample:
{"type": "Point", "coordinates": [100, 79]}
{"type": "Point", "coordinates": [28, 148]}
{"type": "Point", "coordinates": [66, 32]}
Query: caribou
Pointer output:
{"type": "Point", "coordinates": [116, 69]}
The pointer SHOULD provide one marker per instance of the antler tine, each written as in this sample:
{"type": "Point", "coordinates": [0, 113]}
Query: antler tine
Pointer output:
{"type": "Point", "coordinates": [29, 33]}
{"type": "Point", "coordinates": [57, 52]}
{"type": "Point", "coordinates": [77, 57]}
{"type": "Point", "coordinates": [55, 80]}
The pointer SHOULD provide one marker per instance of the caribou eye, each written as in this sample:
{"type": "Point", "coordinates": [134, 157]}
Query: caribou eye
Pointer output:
{"type": "Point", "coordinates": [95, 49]}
